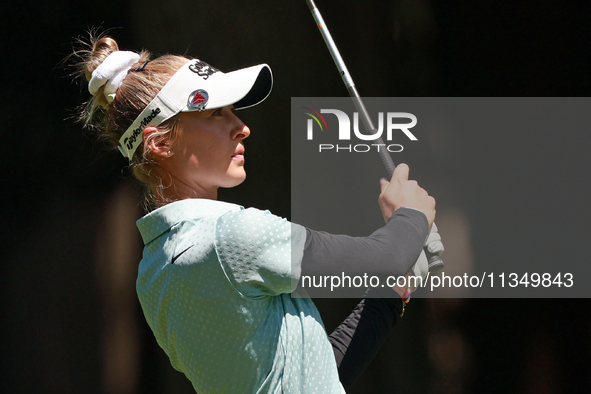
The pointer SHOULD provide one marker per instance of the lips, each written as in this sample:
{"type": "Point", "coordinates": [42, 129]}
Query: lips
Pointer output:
{"type": "Point", "coordinates": [239, 152]}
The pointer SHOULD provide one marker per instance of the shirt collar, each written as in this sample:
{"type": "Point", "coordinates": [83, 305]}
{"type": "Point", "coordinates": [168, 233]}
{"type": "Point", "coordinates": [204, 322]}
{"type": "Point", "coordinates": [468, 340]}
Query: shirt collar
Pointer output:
{"type": "Point", "coordinates": [162, 219]}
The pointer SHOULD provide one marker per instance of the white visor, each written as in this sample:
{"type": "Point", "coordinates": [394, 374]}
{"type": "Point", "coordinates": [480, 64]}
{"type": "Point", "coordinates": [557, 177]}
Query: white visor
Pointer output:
{"type": "Point", "coordinates": [197, 86]}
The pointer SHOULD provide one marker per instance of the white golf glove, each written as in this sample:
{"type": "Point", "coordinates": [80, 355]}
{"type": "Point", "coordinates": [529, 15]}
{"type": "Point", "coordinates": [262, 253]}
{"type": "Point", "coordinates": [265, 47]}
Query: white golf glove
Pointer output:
{"type": "Point", "coordinates": [433, 245]}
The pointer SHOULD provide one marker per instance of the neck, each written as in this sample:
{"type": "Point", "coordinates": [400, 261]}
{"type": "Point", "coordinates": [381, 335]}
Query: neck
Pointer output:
{"type": "Point", "coordinates": [174, 189]}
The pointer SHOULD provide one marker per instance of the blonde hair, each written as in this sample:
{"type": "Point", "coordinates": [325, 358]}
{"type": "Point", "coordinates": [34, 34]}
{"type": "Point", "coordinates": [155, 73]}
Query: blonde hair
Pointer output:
{"type": "Point", "coordinates": [110, 120]}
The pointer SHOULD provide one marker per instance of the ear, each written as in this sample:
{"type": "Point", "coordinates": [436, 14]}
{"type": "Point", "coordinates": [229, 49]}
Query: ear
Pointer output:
{"type": "Point", "coordinates": [159, 146]}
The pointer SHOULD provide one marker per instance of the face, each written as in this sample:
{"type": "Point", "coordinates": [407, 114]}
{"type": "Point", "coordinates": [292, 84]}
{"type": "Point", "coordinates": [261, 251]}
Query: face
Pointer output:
{"type": "Point", "coordinates": [208, 152]}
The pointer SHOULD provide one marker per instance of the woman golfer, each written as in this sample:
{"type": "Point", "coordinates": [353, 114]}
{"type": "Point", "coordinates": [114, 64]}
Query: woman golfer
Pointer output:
{"type": "Point", "coordinates": [215, 280]}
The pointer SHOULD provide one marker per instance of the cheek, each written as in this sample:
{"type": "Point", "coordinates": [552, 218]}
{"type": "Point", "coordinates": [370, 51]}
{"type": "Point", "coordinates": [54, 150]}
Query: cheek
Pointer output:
{"type": "Point", "coordinates": [198, 152]}
{"type": "Point", "coordinates": [210, 162]}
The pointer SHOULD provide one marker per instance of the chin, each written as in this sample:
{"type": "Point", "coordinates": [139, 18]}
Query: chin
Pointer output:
{"type": "Point", "coordinates": [234, 180]}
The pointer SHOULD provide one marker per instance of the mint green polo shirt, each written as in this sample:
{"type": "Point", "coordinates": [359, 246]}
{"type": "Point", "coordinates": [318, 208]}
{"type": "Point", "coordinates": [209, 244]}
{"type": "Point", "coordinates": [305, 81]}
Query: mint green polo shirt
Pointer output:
{"type": "Point", "coordinates": [214, 284]}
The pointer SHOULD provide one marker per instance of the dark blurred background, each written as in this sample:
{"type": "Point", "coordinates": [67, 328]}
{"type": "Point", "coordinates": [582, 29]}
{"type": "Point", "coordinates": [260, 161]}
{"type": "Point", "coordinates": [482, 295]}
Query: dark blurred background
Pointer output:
{"type": "Point", "coordinates": [71, 322]}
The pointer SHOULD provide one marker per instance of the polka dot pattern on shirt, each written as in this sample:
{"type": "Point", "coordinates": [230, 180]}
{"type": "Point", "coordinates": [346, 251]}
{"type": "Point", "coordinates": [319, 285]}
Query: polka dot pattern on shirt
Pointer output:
{"type": "Point", "coordinates": [214, 286]}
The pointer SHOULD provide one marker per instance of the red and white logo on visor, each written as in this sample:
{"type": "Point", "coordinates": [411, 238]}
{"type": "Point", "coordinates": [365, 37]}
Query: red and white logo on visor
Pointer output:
{"type": "Point", "coordinates": [198, 99]}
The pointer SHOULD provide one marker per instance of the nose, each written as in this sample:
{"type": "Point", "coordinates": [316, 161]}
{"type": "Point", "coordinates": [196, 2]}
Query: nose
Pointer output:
{"type": "Point", "coordinates": [245, 131]}
{"type": "Point", "coordinates": [240, 130]}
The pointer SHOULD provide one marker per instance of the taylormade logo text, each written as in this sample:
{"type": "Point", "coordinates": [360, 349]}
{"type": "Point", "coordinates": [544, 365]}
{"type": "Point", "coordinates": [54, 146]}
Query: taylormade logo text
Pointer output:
{"type": "Point", "coordinates": [396, 124]}
{"type": "Point", "coordinates": [137, 131]}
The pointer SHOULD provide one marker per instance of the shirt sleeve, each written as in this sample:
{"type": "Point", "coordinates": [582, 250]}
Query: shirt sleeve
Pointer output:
{"type": "Point", "coordinates": [260, 253]}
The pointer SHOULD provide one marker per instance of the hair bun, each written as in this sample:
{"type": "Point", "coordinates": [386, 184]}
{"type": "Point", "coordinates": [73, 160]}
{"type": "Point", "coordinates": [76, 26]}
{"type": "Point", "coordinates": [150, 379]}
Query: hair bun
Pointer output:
{"type": "Point", "coordinates": [111, 73]}
{"type": "Point", "coordinates": [102, 47]}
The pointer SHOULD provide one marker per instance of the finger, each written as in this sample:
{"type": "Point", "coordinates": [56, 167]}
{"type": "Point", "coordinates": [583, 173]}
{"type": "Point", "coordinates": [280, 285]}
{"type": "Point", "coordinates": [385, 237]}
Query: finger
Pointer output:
{"type": "Point", "coordinates": [383, 184]}
{"type": "Point", "coordinates": [401, 172]}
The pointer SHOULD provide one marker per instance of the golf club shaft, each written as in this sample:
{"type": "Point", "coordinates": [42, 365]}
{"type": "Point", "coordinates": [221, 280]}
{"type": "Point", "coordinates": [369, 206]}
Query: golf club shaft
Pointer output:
{"type": "Point", "coordinates": [435, 262]}
{"type": "Point", "coordinates": [338, 60]}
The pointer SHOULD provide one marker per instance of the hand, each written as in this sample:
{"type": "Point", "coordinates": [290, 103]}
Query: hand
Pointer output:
{"type": "Point", "coordinates": [401, 192]}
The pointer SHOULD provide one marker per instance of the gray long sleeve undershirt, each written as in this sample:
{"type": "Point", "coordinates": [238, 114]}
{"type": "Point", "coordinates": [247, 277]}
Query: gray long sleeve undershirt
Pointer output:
{"type": "Point", "coordinates": [391, 250]}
